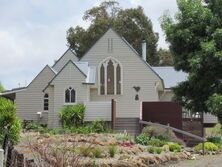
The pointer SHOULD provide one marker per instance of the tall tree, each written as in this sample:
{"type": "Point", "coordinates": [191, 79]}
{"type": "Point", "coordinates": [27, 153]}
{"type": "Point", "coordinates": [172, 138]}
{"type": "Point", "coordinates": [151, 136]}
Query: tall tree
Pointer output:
{"type": "Point", "coordinates": [131, 23]}
{"type": "Point", "coordinates": [165, 57]}
{"type": "Point", "coordinates": [195, 38]}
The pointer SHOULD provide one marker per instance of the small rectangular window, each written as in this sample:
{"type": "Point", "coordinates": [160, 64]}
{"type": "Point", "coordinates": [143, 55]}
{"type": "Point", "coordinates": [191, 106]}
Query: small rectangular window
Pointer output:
{"type": "Point", "coordinates": [46, 102]}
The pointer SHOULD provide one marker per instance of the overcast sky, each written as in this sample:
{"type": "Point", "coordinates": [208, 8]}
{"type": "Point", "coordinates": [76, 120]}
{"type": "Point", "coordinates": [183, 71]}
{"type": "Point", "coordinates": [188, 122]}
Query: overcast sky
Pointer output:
{"type": "Point", "coordinates": [33, 32]}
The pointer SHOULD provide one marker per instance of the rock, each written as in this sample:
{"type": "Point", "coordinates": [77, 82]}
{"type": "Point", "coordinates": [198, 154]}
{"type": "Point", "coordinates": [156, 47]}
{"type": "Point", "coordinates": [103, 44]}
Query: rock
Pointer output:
{"type": "Point", "coordinates": [174, 158]}
{"type": "Point", "coordinates": [123, 164]}
{"type": "Point", "coordinates": [104, 165]}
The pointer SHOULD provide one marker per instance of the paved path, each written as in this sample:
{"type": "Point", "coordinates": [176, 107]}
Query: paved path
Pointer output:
{"type": "Point", "coordinates": [206, 161]}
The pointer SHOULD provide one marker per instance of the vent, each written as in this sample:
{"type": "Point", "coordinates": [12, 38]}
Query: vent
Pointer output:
{"type": "Point", "coordinates": [110, 45]}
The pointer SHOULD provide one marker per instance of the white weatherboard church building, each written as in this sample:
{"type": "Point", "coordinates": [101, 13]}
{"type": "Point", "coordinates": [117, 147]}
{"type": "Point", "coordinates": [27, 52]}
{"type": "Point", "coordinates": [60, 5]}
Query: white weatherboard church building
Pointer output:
{"type": "Point", "coordinates": [111, 69]}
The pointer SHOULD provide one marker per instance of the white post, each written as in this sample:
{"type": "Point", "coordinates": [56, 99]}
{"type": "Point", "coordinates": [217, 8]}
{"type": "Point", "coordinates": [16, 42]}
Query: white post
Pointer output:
{"type": "Point", "coordinates": [1, 157]}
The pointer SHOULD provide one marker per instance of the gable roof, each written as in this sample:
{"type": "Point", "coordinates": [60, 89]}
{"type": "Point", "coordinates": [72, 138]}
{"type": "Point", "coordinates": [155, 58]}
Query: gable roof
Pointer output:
{"type": "Point", "coordinates": [69, 49]}
{"type": "Point", "coordinates": [131, 47]}
{"type": "Point", "coordinates": [47, 66]}
{"type": "Point", "coordinates": [170, 76]}
{"type": "Point", "coordinates": [74, 64]}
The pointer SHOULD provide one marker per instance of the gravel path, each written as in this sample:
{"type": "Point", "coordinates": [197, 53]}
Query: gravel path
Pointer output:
{"type": "Point", "coordinates": [206, 161]}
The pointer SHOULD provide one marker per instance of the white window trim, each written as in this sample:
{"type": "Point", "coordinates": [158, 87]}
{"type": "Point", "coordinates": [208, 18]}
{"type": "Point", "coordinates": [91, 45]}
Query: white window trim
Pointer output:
{"type": "Point", "coordinates": [104, 62]}
{"type": "Point", "coordinates": [64, 97]}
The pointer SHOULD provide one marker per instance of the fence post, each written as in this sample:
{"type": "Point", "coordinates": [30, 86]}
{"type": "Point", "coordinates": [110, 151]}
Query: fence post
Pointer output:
{"type": "Point", "coordinates": [1, 157]}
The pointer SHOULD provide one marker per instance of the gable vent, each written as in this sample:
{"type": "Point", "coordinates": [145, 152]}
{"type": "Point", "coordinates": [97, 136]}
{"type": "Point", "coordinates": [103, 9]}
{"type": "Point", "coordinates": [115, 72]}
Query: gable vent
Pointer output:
{"type": "Point", "coordinates": [110, 45]}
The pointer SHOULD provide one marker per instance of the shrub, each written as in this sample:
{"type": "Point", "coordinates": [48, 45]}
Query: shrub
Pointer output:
{"type": "Point", "coordinates": [142, 139]}
{"type": "Point", "coordinates": [72, 115]}
{"type": "Point", "coordinates": [208, 146]}
{"type": "Point", "coordinates": [97, 152]}
{"type": "Point", "coordinates": [158, 150]}
{"type": "Point", "coordinates": [215, 140]}
{"type": "Point", "coordinates": [156, 142]}
{"type": "Point", "coordinates": [151, 150]}
{"type": "Point", "coordinates": [31, 126]}
{"type": "Point", "coordinates": [174, 147]}
{"type": "Point", "coordinates": [81, 130]}
{"type": "Point", "coordinates": [99, 126]}
{"type": "Point", "coordinates": [85, 151]}
{"type": "Point", "coordinates": [10, 125]}
{"type": "Point", "coordinates": [161, 133]}
{"type": "Point", "coordinates": [215, 131]}
{"type": "Point", "coordinates": [112, 150]}
{"type": "Point", "coordinates": [155, 150]}
{"type": "Point", "coordinates": [124, 137]}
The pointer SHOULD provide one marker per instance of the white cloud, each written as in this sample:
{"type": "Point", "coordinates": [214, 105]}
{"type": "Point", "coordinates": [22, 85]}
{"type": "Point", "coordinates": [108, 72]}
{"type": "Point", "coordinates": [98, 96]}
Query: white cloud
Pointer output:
{"type": "Point", "coordinates": [33, 33]}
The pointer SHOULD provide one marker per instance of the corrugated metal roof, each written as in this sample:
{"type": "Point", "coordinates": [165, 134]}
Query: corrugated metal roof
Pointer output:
{"type": "Point", "coordinates": [83, 66]}
{"type": "Point", "coordinates": [170, 76]}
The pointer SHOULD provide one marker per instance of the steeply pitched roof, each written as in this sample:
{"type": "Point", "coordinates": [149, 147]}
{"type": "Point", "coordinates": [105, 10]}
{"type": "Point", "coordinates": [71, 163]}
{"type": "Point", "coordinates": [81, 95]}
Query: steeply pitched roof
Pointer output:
{"type": "Point", "coordinates": [69, 49]}
{"type": "Point", "coordinates": [47, 66]}
{"type": "Point", "coordinates": [84, 68]}
{"type": "Point", "coordinates": [131, 47]}
{"type": "Point", "coordinates": [170, 76]}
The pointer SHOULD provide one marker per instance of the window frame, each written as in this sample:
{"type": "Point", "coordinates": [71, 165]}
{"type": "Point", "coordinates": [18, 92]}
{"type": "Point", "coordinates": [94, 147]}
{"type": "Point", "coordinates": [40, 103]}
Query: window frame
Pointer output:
{"type": "Point", "coordinates": [106, 60]}
{"type": "Point", "coordinates": [64, 95]}
{"type": "Point", "coordinates": [45, 98]}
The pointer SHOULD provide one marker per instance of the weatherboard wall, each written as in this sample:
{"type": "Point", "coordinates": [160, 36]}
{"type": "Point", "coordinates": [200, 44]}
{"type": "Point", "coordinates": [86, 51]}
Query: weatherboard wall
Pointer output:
{"type": "Point", "coordinates": [135, 73]}
{"type": "Point", "coordinates": [30, 101]}
{"type": "Point", "coordinates": [70, 76]}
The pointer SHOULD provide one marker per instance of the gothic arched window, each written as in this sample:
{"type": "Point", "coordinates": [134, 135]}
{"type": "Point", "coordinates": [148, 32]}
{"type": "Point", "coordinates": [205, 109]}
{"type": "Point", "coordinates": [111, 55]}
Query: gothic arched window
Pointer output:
{"type": "Point", "coordinates": [110, 77]}
{"type": "Point", "coordinates": [70, 95]}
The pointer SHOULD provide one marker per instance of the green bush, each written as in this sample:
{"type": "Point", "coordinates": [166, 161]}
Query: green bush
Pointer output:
{"type": "Point", "coordinates": [112, 150]}
{"type": "Point", "coordinates": [81, 130]}
{"type": "Point", "coordinates": [72, 115]}
{"type": "Point", "coordinates": [124, 137]}
{"type": "Point", "coordinates": [161, 133]}
{"type": "Point", "coordinates": [215, 140]}
{"type": "Point", "coordinates": [98, 126]}
{"type": "Point", "coordinates": [10, 125]}
{"type": "Point", "coordinates": [155, 150]}
{"type": "Point", "coordinates": [156, 142]}
{"type": "Point", "coordinates": [85, 151]}
{"type": "Point", "coordinates": [97, 152]}
{"type": "Point", "coordinates": [208, 146]}
{"type": "Point", "coordinates": [174, 147]}
{"type": "Point", "coordinates": [142, 139]}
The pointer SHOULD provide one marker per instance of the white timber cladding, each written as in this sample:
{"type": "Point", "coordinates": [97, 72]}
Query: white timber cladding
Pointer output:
{"type": "Point", "coordinates": [69, 76]}
{"type": "Point", "coordinates": [135, 73]}
{"type": "Point", "coordinates": [98, 110]}
{"type": "Point", "coordinates": [51, 113]}
{"type": "Point", "coordinates": [30, 101]}
{"type": "Point", "coordinates": [68, 55]}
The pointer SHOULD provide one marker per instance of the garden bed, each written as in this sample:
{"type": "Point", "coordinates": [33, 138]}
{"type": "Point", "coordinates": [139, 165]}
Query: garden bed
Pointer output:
{"type": "Point", "coordinates": [91, 150]}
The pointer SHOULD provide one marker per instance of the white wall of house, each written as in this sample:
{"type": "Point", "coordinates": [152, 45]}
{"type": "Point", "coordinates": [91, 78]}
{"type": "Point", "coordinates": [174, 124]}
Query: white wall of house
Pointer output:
{"type": "Point", "coordinates": [30, 101]}
{"type": "Point", "coordinates": [51, 112]}
{"type": "Point", "coordinates": [69, 76]}
{"type": "Point", "coordinates": [135, 73]}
